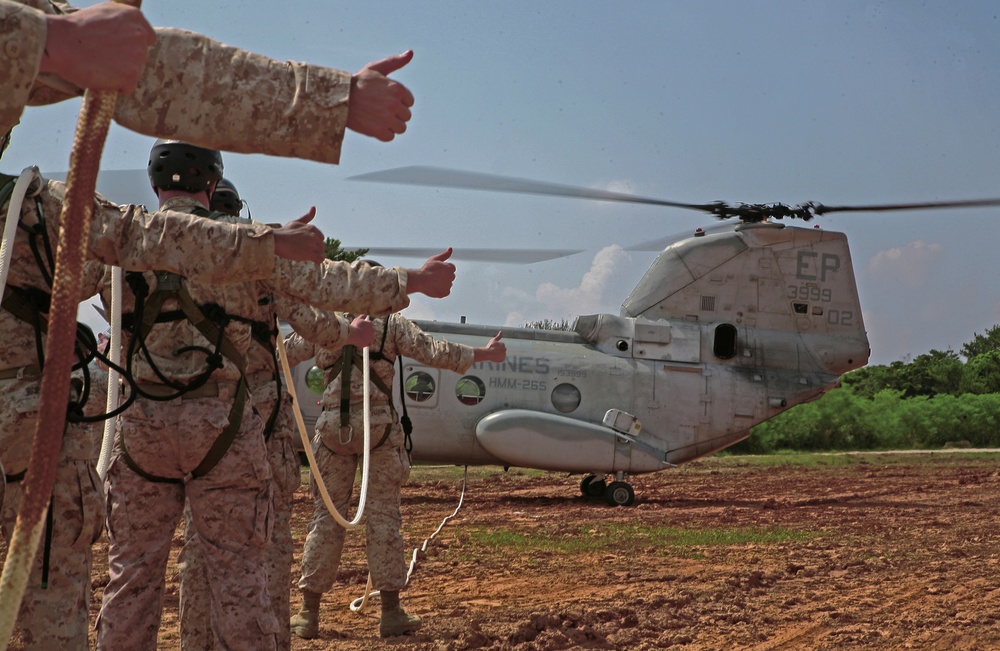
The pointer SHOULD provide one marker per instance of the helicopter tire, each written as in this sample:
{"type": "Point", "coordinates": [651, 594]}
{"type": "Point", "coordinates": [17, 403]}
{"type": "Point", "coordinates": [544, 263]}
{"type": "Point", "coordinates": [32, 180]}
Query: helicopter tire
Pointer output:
{"type": "Point", "coordinates": [592, 486]}
{"type": "Point", "coordinates": [619, 493]}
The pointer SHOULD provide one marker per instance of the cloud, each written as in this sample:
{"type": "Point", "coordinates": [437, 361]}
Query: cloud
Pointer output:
{"type": "Point", "coordinates": [908, 264]}
{"type": "Point", "coordinates": [597, 292]}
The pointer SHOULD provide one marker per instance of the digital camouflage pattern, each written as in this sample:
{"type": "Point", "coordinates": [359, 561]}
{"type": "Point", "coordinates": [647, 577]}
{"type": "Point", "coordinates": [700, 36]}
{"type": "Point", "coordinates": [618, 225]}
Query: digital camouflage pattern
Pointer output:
{"type": "Point", "coordinates": [390, 465]}
{"type": "Point", "coordinates": [195, 596]}
{"type": "Point", "coordinates": [282, 109]}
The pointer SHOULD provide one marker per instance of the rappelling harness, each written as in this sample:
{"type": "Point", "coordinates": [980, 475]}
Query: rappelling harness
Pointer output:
{"type": "Point", "coordinates": [211, 321]}
{"type": "Point", "coordinates": [351, 359]}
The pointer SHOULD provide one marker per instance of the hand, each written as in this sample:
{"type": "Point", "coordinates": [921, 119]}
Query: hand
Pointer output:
{"type": "Point", "coordinates": [434, 278]}
{"type": "Point", "coordinates": [103, 47]}
{"type": "Point", "coordinates": [494, 351]}
{"type": "Point", "coordinates": [300, 241]}
{"type": "Point", "coordinates": [361, 332]}
{"type": "Point", "coordinates": [378, 106]}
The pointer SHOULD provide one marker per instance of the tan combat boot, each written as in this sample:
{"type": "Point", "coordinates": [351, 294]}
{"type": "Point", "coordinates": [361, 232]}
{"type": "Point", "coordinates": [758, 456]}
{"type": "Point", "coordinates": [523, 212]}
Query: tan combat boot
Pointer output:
{"type": "Point", "coordinates": [305, 623]}
{"type": "Point", "coordinates": [395, 620]}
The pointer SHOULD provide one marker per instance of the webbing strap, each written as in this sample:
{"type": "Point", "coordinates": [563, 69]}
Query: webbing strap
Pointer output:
{"type": "Point", "coordinates": [213, 332]}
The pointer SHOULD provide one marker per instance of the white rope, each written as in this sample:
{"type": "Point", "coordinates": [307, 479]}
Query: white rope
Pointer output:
{"type": "Point", "coordinates": [307, 444]}
{"type": "Point", "coordinates": [114, 355]}
{"type": "Point", "coordinates": [359, 603]}
{"type": "Point", "coordinates": [13, 217]}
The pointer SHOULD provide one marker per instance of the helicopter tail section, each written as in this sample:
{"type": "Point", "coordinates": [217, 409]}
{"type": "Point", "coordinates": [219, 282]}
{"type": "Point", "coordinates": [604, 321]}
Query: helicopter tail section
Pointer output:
{"type": "Point", "coordinates": [768, 282]}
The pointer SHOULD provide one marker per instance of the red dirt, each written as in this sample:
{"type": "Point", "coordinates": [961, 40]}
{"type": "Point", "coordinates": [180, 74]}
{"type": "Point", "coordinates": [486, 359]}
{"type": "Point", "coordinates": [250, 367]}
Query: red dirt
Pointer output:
{"type": "Point", "coordinates": [871, 551]}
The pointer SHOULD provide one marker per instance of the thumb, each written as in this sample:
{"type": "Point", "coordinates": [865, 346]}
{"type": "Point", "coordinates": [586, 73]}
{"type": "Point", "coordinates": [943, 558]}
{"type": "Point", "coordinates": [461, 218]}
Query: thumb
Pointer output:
{"type": "Point", "coordinates": [391, 64]}
{"type": "Point", "coordinates": [499, 336]}
{"type": "Point", "coordinates": [308, 217]}
{"type": "Point", "coordinates": [441, 257]}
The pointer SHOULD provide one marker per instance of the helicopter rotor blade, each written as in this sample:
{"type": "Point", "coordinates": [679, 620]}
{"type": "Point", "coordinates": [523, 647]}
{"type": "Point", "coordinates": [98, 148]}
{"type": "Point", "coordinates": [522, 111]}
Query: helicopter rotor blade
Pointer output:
{"type": "Point", "coordinates": [820, 209]}
{"type": "Point", "coordinates": [449, 178]}
{"type": "Point", "coordinates": [499, 256]}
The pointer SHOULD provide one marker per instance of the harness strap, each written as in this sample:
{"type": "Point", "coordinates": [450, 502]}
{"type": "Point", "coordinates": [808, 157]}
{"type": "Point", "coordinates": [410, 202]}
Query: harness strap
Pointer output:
{"type": "Point", "coordinates": [171, 287]}
{"type": "Point", "coordinates": [350, 360]}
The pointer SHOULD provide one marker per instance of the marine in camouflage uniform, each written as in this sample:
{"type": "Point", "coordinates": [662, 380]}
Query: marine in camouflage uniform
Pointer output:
{"type": "Point", "coordinates": [284, 108]}
{"type": "Point", "coordinates": [273, 403]}
{"type": "Point", "coordinates": [57, 616]}
{"type": "Point", "coordinates": [162, 443]}
{"type": "Point", "coordinates": [337, 464]}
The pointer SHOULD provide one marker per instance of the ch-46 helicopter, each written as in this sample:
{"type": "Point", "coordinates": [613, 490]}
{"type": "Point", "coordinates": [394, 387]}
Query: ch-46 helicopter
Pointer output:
{"type": "Point", "coordinates": [727, 328]}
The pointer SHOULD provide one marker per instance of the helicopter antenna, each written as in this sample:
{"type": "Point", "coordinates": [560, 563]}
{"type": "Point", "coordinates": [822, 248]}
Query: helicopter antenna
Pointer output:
{"type": "Point", "coordinates": [746, 212]}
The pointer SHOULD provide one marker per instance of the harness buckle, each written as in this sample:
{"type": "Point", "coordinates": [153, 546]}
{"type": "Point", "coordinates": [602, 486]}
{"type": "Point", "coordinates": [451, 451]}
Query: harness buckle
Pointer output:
{"type": "Point", "coordinates": [350, 434]}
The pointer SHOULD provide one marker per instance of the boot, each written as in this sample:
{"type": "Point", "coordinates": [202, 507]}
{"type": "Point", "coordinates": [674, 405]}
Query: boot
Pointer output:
{"type": "Point", "coordinates": [305, 623]}
{"type": "Point", "coordinates": [395, 620]}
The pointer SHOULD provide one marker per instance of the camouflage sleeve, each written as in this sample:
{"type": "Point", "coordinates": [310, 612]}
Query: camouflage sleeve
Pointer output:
{"type": "Point", "coordinates": [411, 341]}
{"type": "Point", "coordinates": [298, 349]}
{"type": "Point", "coordinates": [324, 329]}
{"type": "Point", "coordinates": [201, 249]}
{"type": "Point", "coordinates": [281, 108]}
{"type": "Point", "coordinates": [340, 287]}
{"type": "Point", "coordinates": [22, 42]}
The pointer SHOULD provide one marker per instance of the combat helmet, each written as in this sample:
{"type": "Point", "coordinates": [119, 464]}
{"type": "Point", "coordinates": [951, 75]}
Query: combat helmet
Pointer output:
{"type": "Point", "coordinates": [226, 199]}
{"type": "Point", "coordinates": [176, 165]}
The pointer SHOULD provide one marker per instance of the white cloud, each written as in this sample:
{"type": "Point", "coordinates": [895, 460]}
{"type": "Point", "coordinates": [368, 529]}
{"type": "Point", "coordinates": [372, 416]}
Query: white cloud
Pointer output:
{"type": "Point", "coordinates": [591, 296]}
{"type": "Point", "coordinates": [908, 264]}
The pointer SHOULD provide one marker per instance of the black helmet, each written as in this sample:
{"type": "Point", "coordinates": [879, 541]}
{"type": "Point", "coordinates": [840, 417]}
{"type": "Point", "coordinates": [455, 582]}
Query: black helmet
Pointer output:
{"type": "Point", "coordinates": [226, 199]}
{"type": "Point", "coordinates": [176, 165]}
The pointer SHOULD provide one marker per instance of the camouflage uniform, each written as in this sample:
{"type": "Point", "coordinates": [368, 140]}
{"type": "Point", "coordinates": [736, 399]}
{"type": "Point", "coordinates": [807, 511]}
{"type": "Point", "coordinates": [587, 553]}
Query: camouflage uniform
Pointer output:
{"type": "Point", "coordinates": [195, 595]}
{"type": "Point", "coordinates": [282, 109]}
{"type": "Point", "coordinates": [56, 617]}
{"type": "Point", "coordinates": [231, 504]}
{"type": "Point", "coordinates": [390, 463]}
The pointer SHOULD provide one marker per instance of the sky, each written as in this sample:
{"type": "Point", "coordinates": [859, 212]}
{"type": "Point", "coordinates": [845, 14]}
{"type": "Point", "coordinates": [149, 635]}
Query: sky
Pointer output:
{"type": "Point", "coordinates": [840, 102]}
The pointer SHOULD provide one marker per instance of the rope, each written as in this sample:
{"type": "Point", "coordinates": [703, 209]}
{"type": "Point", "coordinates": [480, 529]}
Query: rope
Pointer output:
{"type": "Point", "coordinates": [307, 444]}
{"type": "Point", "coordinates": [359, 603]}
{"type": "Point", "coordinates": [10, 226]}
{"type": "Point", "coordinates": [78, 208]}
{"type": "Point", "coordinates": [114, 354]}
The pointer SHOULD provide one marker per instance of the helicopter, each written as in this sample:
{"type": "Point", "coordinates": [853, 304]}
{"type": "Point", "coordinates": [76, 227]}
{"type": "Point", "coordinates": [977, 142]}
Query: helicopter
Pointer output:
{"type": "Point", "coordinates": [728, 327]}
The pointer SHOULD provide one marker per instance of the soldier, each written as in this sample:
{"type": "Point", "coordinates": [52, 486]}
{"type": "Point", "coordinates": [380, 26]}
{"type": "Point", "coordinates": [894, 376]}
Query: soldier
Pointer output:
{"type": "Point", "coordinates": [283, 108]}
{"type": "Point", "coordinates": [191, 435]}
{"type": "Point", "coordinates": [54, 611]}
{"type": "Point", "coordinates": [273, 403]}
{"type": "Point", "coordinates": [338, 446]}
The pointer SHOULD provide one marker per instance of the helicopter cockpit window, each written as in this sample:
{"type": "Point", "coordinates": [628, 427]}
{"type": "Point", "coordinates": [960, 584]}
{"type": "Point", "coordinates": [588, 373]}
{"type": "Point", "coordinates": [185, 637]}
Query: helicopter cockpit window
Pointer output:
{"type": "Point", "coordinates": [565, 398]}
{"type": "Point", "coordinates": [725, 341]}
{"type": "Point", "coordinates": [419, 386]}
{"type": "Point", "coordinates": [470, 390]}
{"type": "Point", "coordinates": [315, 381]}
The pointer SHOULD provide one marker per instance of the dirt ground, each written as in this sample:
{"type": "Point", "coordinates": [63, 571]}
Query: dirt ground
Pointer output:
{"type": "Point", "coordinates": [872, 551]}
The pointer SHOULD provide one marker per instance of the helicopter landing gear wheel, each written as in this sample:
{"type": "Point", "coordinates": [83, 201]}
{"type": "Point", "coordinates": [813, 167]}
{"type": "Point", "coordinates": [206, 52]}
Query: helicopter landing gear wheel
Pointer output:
{"type": "Point", "coordinates": [619, 493]}
{"type": "Point", "coordinates": [592, 486]}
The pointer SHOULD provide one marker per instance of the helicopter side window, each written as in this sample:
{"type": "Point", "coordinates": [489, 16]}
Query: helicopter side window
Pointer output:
{"type": "Point", "coordinates": [419, 386]}
{"type": "Point", "coordinates": [315, 380]}
{"type": "Point", "coordinates": [470, 390]}
{"type": "Point", "coordinates": [565, 398]}
{"type": "Point", "coordinates": [725, 341]}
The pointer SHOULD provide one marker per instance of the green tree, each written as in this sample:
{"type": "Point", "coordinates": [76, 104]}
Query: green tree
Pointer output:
{"type": "Point", "coordinates": [982, 343]}
{"type": "Point", "coordinates": [548, 324]}
{"type": "Point", "coordinates": [982, 373]}
{"type": "Point", "coordinates": [335, 252]}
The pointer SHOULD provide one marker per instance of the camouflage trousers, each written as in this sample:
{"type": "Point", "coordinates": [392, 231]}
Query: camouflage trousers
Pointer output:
{"type": "Point", "coordinates": [390, 468]}
{"type": "Point", "coordinates": [57, 616]}
{"type": "Point", "coordinates": [230, 511]}
{"type": "Point", "coordinates": [195, 596]}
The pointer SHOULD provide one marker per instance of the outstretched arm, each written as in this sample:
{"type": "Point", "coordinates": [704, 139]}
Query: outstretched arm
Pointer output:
{"type": "Point", "coordinates": [299, 240]}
